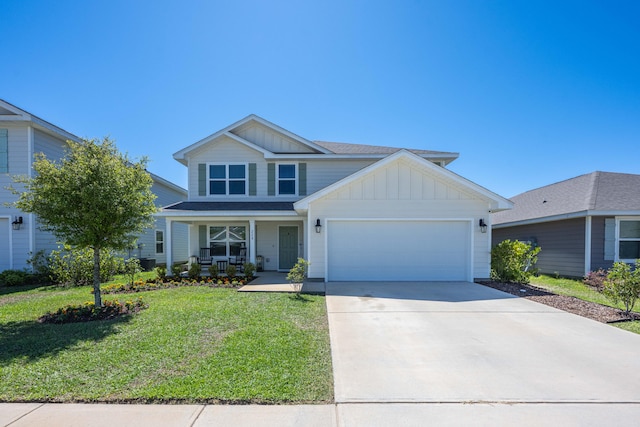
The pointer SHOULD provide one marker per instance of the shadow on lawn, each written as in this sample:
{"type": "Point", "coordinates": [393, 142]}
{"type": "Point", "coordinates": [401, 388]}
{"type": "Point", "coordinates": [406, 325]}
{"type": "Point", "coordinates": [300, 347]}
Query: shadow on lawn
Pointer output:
{"type": "Point", "coordinates": [34, 340]}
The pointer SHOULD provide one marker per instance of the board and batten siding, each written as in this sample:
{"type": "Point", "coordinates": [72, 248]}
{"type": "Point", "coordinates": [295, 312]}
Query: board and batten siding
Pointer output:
{"type": "Point", "coordinates": [398, 191]}
{"type": "Point", "coordinates": [269, 139]}
{"type": "Point", "coordinates": [561, 242]}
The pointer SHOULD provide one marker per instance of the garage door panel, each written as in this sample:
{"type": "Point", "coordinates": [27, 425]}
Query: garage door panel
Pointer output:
{"type": "Point", "coordinates": [398, 250]}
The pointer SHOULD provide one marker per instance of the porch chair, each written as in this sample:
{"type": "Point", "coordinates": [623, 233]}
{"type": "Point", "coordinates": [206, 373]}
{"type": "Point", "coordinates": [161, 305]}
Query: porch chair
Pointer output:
{"type": "Point", "coordinates": [239, 259]}
{"type": "Point", "coordinates": [205, 256]}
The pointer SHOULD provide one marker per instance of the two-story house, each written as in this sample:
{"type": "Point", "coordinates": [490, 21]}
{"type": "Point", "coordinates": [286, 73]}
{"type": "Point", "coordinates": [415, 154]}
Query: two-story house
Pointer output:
{"type": "Point", "coordinates": [356, 212]}
{"type": "Point", "coordinates": [21, 136]}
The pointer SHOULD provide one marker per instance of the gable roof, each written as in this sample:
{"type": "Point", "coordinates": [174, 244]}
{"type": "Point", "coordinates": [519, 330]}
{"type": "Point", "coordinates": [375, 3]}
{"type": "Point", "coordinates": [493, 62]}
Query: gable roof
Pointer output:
{"type": "Point", "coordinates": [595, 193]}
{"type": "Point", "coordinates": [498, 201]}
{"type": "Point", "coordinates": [180, 155]}
{"type": "Point", "coordinates": [335, 149]}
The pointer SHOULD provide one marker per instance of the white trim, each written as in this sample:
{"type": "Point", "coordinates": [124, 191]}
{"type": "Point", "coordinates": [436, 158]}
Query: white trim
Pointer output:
{"type": "Point", "coordinates": [227, 179]}
{"type": "Point", "coordinates": [617, 247]}
{"type": "Point", "coordinates": [278, 242]}
{"type": "Point", "coordinates": [587, 245]}
{"type": "Point", "coordinates": [470, 248]}
{"type": "Point", "coordinates": [500, 202]}
{"type": "Point", "coordinates": [295, 179]}
{"type": "Point", "coordinates": [251, 246]}
{"type": "Point", "coordinates": [205, 215]}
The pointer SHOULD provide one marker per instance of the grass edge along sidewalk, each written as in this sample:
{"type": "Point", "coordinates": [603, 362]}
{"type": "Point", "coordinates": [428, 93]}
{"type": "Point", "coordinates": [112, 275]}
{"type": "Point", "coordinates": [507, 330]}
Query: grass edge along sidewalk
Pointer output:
{"type": "Point", "coordinates": [192, 345]}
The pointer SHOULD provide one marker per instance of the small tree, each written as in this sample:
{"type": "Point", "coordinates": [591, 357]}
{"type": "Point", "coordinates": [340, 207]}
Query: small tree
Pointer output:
{"type": "Point", "coordinates": [513, 261]}
{"type": "Point", "coordinates": [298, 274]}
{"type": "Point", "coordinates": [623, 285]}
{"type": "Point", "coordinates": [94, 197]}
{"type": "Point", "coordinates": [132, 268]}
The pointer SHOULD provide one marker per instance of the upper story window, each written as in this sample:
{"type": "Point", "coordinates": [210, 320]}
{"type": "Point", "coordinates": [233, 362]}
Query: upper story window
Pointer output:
{"type": "Point", "coordinates": [228, 179]}
{"type": "Point", "coordinates": [286, 179]}
{"type": "Point", "coordinates": [629, 239]}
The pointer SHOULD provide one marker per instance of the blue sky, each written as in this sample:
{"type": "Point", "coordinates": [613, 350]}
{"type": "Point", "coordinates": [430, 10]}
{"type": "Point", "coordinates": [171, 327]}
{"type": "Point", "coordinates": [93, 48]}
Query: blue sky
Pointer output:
{"type": "Point", "coordinates": [528, 92]}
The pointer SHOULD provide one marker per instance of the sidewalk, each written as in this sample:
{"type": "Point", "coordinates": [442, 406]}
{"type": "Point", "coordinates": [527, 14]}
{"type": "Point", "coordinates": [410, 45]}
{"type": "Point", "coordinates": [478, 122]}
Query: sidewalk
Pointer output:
{"type": "Point", "coordinates": [338, 415]}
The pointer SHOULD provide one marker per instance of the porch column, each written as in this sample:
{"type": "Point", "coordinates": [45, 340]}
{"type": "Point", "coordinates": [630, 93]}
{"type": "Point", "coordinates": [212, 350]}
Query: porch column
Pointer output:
{"type": "Point", "coordinates": [167, 245]}
{"type": "Point", "coordinates": [305, 239]}
{"type": "Point", "coordinates": [252, 241]}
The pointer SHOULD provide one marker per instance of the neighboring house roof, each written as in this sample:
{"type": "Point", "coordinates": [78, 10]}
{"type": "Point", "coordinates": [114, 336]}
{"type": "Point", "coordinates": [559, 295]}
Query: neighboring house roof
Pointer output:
{"type": "Point", "coordinates": [11, 113]}
{"type": "Point", "coordinates": [231, 206]}
{"type": "Point", "coordinates": [497, 202]}
{"type": "Point", "coordinates": [590, 194]}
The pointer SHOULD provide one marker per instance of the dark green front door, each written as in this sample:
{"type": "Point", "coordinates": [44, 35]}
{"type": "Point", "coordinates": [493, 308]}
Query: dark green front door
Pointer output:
{"type": "Point", "coordinates": [287, 247]}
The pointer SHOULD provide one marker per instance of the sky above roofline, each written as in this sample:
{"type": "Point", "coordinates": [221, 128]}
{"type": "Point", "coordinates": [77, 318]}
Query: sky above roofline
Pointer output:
{"type": "Point", "coordinates": [528, 93]}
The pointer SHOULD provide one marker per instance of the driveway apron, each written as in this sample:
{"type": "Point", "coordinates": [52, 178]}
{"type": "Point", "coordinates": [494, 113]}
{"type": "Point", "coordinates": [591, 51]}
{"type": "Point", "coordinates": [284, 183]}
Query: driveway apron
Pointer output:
{"type": "Point", "coordinates": [455, 342]}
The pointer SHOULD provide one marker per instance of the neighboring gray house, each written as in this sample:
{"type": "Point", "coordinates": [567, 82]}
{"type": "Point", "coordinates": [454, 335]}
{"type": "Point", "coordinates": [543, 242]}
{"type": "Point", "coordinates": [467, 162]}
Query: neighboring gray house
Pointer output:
{"type": "Point", "coordinates": [582, 224]}
{"type": "Point", "coordinates": [356, 212]}
{"type": "Point", "coordinates": [21, 136]}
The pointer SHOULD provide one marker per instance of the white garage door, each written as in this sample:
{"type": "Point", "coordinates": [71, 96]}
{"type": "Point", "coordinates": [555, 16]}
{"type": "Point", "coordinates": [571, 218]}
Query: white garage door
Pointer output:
{"type": "Point", "coordinates": [5, 248]}
{"type": "Point", "coordinates": [398, 250]}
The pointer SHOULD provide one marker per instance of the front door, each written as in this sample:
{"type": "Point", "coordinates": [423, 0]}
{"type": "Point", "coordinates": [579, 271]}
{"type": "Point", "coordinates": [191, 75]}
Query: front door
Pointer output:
{"type": "Point", "coordinates": [287, 247]}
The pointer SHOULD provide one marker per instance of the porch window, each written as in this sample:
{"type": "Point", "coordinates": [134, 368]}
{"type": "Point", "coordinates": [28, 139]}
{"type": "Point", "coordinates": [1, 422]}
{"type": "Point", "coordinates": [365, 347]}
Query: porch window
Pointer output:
{"type": "Point", "coordinates": [228, 179]}
{"type": "Point", "coordinates": [287, 179]}
{"type": "Point", "coordinates": [226, 241]}
{"type": "Point", "coordinates": [629, 240]}
{"type": "Point", "coordinates": [159, 242]}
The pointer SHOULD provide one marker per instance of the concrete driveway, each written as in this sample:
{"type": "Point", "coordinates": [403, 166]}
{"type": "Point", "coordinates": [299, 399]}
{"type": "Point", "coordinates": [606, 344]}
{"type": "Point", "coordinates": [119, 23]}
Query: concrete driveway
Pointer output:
{"type": "Point", "coordinates": [448, 344]}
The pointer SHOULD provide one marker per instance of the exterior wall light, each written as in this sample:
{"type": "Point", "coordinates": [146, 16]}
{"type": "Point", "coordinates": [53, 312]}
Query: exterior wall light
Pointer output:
{"type": "Point", "coordinates": [483, 225]}
{"type": "Point", "coordinates": [318, 226]}
{"type": "Point", "coordinates": [17, 222]}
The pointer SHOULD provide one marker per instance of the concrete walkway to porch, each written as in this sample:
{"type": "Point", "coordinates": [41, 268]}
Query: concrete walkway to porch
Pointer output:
{"type": "Point", "coordinates": [274, 281]}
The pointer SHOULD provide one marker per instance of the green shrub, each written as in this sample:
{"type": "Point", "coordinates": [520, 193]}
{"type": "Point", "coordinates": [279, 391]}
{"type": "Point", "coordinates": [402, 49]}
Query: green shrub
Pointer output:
{"type": "Point", "coordinates": [513, 261]}
{"type": "Point", "coordinates": [213, 270]}
{"type": "Point", "coordinates": [177, 268]}
{"type": "Point", "coordinates": [297, 274]}
{"type": "Point", "coordinates": [249, 269]}
{"type": "Point", "coordinates": [131, 268]}
{"type": "Point", "coordinates": [88, 311]}
{"type": "Point", "coordinates": [40, 266]}
{"type": "Point", "coordinates": [72, 266]}
{"type": "Point", "coordinates": [623, 284]}
{"type": "Point", "coordinates": [161, 271]}
{"type": "Point", "coordinates": [194, 271]}
{"type": "Point", "coordinates": [15, 277]}
{"type": "Point", "coordinates": [231, 271]}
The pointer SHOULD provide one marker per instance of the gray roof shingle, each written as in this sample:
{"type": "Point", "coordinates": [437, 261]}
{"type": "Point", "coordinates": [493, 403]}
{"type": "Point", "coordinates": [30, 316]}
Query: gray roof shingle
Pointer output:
{"type": "Point", "coordinates": [595, 191]}
{"type": "Point", "coordinates": [346, 148]}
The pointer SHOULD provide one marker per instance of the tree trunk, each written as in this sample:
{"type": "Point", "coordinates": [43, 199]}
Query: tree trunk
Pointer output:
{"type": "Point", "coordinates": [96, 277]}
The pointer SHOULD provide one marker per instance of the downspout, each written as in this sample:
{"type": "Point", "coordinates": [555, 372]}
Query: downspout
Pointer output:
{"type": "Point", "coordinates": [587, 245]}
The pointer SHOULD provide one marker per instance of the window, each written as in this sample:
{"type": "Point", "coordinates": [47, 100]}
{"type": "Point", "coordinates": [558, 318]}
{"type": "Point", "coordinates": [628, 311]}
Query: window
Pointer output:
{"type": "Point", "coordinates": [287, 179]}
{"type": "Point", "coordinates": [629, 239]}
{"type": "Point", "coordinates": [228, 179]}
{"type": "Point", "coordinates": [159, 241]}
{"type": "Point", "coordinates": [226, 241]}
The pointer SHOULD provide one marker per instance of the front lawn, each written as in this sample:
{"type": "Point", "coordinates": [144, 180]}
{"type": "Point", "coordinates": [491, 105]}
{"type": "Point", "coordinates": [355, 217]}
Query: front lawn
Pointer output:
{"type": "Point", "coordinates": [193, 344]}
{"type": "Point", "coordinates": [577, 289]}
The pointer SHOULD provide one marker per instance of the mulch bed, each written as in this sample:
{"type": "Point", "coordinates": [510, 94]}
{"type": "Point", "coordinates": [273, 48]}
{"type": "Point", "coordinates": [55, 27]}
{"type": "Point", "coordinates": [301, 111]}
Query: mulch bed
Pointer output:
{"type": "Point", "coordinates": [587, 309]}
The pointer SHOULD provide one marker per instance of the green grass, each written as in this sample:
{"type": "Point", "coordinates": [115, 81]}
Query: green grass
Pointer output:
{"type": "Point", "coordinates": [193, 344]}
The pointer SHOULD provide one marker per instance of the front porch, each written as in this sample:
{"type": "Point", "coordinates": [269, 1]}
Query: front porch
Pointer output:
{"type": "Point", "coordinates": [272, 235]}
{"type": "Point", "coordinates": [273, 281]}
